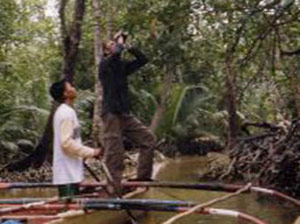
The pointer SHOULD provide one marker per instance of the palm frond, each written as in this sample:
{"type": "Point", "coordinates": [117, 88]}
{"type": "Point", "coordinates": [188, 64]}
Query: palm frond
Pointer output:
{"type": "Point", "coordinates": [179, 104]}
{"type": "Point", "coordinates": [150, 96]}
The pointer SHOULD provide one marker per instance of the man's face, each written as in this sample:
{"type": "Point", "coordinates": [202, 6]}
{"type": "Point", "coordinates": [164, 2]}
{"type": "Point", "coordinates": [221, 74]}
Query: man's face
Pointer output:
{"type": "Point", "coordinates": [70, 91]}
{"type": "Point", "coordinates": [110, 47]}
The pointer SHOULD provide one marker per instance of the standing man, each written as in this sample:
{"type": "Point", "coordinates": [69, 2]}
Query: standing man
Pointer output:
{"type": "Point", "coordinates": [118, 122]}
{"type": "Point", "coordinates": [68, 150]}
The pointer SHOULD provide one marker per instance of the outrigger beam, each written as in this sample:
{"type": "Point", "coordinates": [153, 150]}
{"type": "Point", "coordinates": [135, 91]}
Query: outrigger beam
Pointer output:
{"type": "Point", "coordinates": [164, 208]}
{"type": "Point", "coordinates": [159, 184]}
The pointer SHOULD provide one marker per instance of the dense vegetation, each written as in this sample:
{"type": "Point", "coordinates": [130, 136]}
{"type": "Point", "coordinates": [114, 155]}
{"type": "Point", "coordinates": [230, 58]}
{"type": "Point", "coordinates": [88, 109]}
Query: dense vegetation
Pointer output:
{"type": "Point", "coordinates": [215, 65]}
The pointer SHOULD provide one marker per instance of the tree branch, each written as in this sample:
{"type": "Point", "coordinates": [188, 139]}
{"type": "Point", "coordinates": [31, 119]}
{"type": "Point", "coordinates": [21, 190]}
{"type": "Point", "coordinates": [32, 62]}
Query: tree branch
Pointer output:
{"type": "Point", "coordinates": [290, 53]}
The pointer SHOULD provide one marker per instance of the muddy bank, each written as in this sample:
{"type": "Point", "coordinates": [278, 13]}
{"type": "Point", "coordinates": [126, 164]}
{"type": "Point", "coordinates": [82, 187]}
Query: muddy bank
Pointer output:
{"type": "Point", "coordinates": [269, 159]}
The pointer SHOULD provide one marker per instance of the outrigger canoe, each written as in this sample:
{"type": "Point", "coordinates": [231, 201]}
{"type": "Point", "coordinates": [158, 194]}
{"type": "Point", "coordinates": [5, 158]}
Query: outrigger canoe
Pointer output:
{"type": "Point", "coordinates": [50, 211]}
{"type": "Point", "coordinates": [101, 216]}
{"type": "Point", "coordinates": [96, 210]}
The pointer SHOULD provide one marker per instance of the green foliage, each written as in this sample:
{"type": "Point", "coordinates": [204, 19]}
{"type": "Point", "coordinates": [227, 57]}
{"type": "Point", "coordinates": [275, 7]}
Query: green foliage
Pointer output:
{"type": "Point", "coordinates": [8, 13]}
{"type": "Point", "coordinates": [17, 123]}
{"type": "Point", "coordinates": [193, 38]}
{"type": "Point", "coordinates": [192, 113]}
{"type": "Point", "coordinates": [30, 56]}
{"type": "Point", "coordinates": [84, 106]}
{"type": "Point", "coordinates": [185, 41]}
{"type": "Point", "coordinates": [143, 104]}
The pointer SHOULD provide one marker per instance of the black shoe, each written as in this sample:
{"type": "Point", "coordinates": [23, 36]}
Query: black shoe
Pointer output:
{"type": "Point", "coordinates": [87, 190]}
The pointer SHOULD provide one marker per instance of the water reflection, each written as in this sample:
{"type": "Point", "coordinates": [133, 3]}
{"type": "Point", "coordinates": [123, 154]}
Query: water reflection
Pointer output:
{"type": "Point", "coordinates": [187, 169]}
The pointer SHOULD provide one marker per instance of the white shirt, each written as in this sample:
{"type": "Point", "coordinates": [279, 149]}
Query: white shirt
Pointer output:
{"type": "Point", "coordinates": [68, 150]}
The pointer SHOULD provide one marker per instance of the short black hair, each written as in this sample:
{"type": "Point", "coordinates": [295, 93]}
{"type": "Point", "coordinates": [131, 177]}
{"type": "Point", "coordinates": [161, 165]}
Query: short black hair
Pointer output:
{"type": "Point", "coordinates": [57, 90]}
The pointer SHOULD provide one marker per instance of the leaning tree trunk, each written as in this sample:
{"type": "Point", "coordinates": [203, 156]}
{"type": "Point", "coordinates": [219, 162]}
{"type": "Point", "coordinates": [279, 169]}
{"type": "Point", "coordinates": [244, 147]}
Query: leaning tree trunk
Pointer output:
{"type": "Point", "coordinates": [231, 105]}
{"type": "Point", "coordinates": [156, 117]}
{"type": "Point", "coordinates": [70, 41]}
{"type": "Point", "coordinates": [97, 121]}
{"type": "Point", "coordinates": [160, 108]}
{"type": "Point", "coordinates": [295, 87]}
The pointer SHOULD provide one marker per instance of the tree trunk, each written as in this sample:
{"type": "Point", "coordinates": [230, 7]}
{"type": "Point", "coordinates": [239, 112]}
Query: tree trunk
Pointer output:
{"type": "Point", "coordinates": [156, 118]}
{"type": "Point", "coordinates": [71, 37]}
{"type": "Point", "coordinates": [231, 86]}
{"type": "Point", "coordinates": [166, 87]}
{"type": "Point", "coordinates": [295, 87]}
{"type": "Point", "coordinates": [231, 104]}
{"type": "Point", "coordinates": [112, 9]}
{"type": "Point", "coordinates": [97, 121]}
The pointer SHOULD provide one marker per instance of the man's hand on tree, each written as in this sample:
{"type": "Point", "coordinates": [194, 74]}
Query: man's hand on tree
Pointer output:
{"type": "Point", "coordinates": [98, 153]}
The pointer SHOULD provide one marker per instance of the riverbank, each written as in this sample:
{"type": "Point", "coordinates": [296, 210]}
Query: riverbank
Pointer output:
{"type": "Point", "coordinates": [218, 167]}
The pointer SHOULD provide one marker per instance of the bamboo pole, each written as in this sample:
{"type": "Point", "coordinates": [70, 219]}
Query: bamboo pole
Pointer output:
{"type": "Point", "coordinates": [38, 203]}
{"type": "Point", "coordinates": [201, 206]}
{"type": "Point", "coordinates": [191, 186]}
{"type": "Point", "coordinates": [30, 217]}
{"type": "Point", "coordinates": [84, 201]}
{"type": "Point", "coordinates": [110, 180]}
{"type": "Point", "coordinates": [153, 207]}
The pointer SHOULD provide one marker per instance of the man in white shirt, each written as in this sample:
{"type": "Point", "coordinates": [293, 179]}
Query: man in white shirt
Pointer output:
{"type": "Point", "coordinates": [68, 150]}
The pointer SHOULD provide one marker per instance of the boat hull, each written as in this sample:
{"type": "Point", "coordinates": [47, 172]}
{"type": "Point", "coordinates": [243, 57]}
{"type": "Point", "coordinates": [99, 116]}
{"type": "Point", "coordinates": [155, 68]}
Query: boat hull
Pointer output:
{"type": "Point", "coordinates": [70, 216]}
{"type": "Point", "coordinates": [103, 216]}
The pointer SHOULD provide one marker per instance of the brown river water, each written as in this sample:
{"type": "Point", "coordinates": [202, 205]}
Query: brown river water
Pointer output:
{"type": "Point", "coordinates": [187, 169]}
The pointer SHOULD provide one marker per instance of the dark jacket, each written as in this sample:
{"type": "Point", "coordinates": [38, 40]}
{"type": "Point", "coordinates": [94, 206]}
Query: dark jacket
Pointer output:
{"type": "Point", "coordinates": [113, 72]}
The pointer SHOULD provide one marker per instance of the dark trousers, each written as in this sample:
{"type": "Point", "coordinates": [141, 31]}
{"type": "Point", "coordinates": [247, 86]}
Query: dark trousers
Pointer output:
{"type": "Point", "coordinates": [115, 126]}
{"type": "Point", "coordinates": [68, 190]}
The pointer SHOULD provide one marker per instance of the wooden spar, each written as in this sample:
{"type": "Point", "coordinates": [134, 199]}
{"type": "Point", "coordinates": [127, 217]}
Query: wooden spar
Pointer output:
{"type": "Point", "coordinates": [12, 209]}
{"type": "Point", "coordinates": [139, 204]}
{"type": "Point", "coordinates": [209, 211]}
{"type": "Point", "coordinates": [230, 213]}
{"type": "Point", "coordinates": [90, 201]}
{"type": "Point", "coordinates": [21, 185]}
{"type": "Point", "coordinates": [191, 186]}
{"type": "Point", "coordinates": [276, 194]}
{"type": "Point", "coordinates": [29, 217]}
{"type": "Point", "coordinates": [215, 211]}
{"type": "Point", "coordinates": [163, 208]}
{"type": "Point", "coordinates": [38, 203]}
